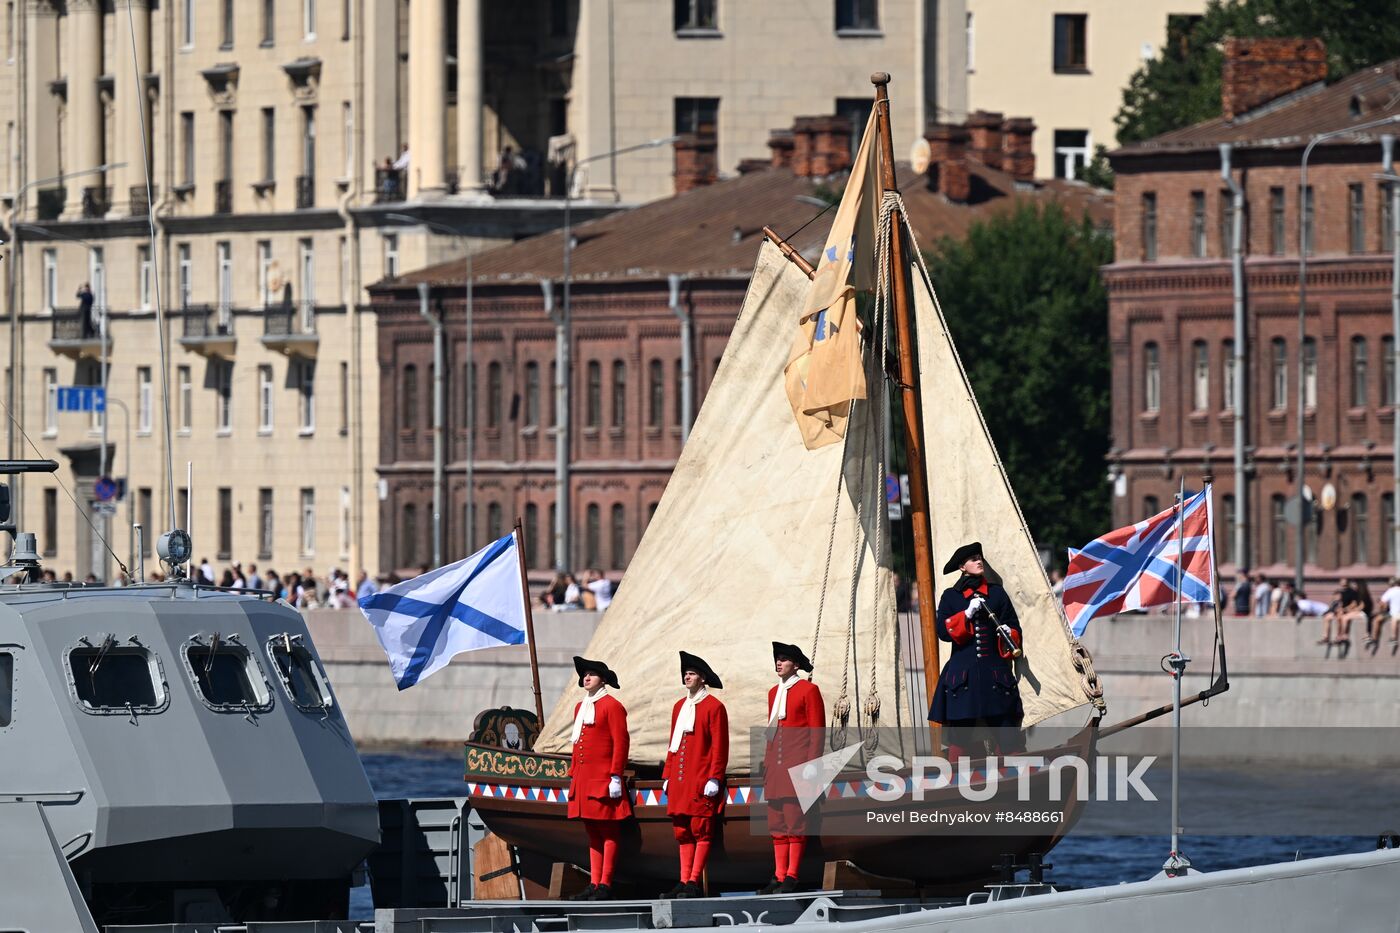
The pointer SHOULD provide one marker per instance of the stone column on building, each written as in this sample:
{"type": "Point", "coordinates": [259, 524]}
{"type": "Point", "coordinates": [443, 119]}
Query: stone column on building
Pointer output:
{"type": "Point", "coordinates": [427, 98]}
{"type": "Point", "coordinates": [132, 106]}
{"type": "Point", "coordinates": [41, 155]}
{"type": "Point", "coordinates": [469, 84]}
{"type": "Point", "coordinates": [82, 128]}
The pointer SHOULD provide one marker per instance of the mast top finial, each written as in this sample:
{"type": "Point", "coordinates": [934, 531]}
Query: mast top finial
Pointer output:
{"type": "Point", "coordinates": [880, 78]}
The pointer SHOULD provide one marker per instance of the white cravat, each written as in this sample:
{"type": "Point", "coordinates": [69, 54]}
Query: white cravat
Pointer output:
{"type": "Point", "coordinates": [585, 715]}
{"type": "Point", "coordinates": [685, 719]}
{"type": "Point", "coordinates": [780, 702]}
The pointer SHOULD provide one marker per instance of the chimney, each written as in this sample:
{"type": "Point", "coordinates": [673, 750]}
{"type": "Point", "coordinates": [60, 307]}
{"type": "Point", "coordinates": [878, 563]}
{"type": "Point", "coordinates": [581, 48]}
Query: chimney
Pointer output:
{"type": "Point", "coordinates": [697, 162]}
{"type": "Point", "coordinates": [780, 144]}
{"type": "Point", "coordinates": [1017, 156]}
{"type": "Point", "coordinates": [1257, 71]}
{"type": "Point", "coordinates": [831, 146]}
{"type": "Point", "coordinates": [803, 143]}
{"type": "Point", "coordinates": [985, 131]}
{"type": "Point", "coordinates": [947, 163]}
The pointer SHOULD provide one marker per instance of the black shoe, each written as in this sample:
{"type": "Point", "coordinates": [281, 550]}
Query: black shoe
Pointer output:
{"type": "Point", "coordinates": [586, 894]}
{"type": "Point", "coordinates": [602, 893]}
{"type": "Point", "coordinates": [789, 886]}
{"type": "Point", "coordinates": [689, 890]}
{"type": "Point", "coordinates": [772, 886]}
{"type": "Point", "coordinates": [675, 892]}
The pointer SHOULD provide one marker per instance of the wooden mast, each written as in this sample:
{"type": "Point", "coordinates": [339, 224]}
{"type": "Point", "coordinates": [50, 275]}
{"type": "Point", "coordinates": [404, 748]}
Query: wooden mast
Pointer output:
{"type": "Point", "coordinates": [910, 404]}
{"type": "Point", "coordinates": [529, 621]}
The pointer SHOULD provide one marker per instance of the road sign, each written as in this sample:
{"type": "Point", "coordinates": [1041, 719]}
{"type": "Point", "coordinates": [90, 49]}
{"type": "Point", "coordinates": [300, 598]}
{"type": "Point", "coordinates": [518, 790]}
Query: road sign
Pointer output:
{"type": "Point", "coordinates": [82, 398]}
{"type": "Point", "coordinates": [104, 489]}
{"type": "Point", "coordinates": [104, 508]}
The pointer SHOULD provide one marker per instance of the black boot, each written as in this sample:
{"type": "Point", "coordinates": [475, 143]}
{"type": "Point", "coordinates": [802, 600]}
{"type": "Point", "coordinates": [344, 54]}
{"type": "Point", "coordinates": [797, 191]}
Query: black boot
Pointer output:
{"type": "Point", "coordinates": [689, 890]}
{"type": "Point", "coordinates": [675, 892]}
{"type": "Point", "coordinates": [602, 893]}
{"type": "Point", "coordinates": [772, 886]}
{"type": "Point", "coordinates": [586, 894]}
{"type": "Point", "coordinates": [789, 885]}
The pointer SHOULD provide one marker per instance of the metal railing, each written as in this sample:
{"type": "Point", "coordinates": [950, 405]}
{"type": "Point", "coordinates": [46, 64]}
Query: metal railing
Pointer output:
{"type": "Point", "coordinates": [140, 204]}
{"type": "Point", "coordinates": [289, 321]}
{"type": "Point", "coordinates": [97, 201]}
{"type": "Point", "coordinates": [389, 185]}
{"type": "Point", "coordinates": [50, 202]}
{"type": "Point", "coordinates": [73, 324]}
{"type": "Point", "coordinates": [306, 191]}
{"type": "Point", "coordinates": [223, 197]}
{"type": "Point", "coordinates": [204, 321]}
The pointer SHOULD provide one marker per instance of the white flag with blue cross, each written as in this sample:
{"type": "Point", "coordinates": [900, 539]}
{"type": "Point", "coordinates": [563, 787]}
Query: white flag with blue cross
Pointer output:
{"type": "Point", "coordinates": [423, 623]}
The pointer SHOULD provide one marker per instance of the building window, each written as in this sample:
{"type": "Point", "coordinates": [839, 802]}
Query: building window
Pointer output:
{"type": "Point", "coordinates": [676, 393]}
{"type": "Point", "coordinates": [1071, 152]}
{"type": "Point", "coordinates": [698, 116]}
{"type": "Point", "coordinates": [50, 402]}
{"type": "Point", "coordinates": [308, 141]}
{"type": "Point", "coordinates": [532, 394]}
{"type": "Point", "coordinates": [493, 395]}
{"type": "Point", "coordinates": [1277, 229]}
{"type": "Point", "coordinates": [1198, 224]}
{"type": "Point", "coordinates": [1309, 373]}
{"type": "Point", "coordinates": [265, 515]}
{"type": "Point", "coordinates": [225, 523]}
{"type": "Point", "coordinates": [495, 526]}
{"type": "Point", "coordinates": [226, 25]}
{"type": "Point", "coordinates": [1149, 226]}
{"type": "Point", "coordinates": [1279, 525]}
{"type": "Point", "coordinates": [857, 14]}
{"type": "Point", "coordinates": [469, 397]}
{"type": "Point", "coordinates": [308, 19]}
{"type": "Point", "coordinates": [185, 272]}
{"type": "Point", "coordinates": [619, 393]}
{"type": "Point", "coordinates": [1387, 370]}
{"type": "Point", "coordinates": [855, 112]}
{"type": "Point", "coordinates": [1227, 223]}
{"type": "Point", "coordinates": [345, 11]}
{"type": "Point", "coordinates": [144, 400]}
{"type": "Point", "coordinates": [187, 149]}
{"type": "Point", "coordinates": [269, 145]}
{"type": "Point", "coordinates": [347, 136]}
{"type": "Point", "coordinates": [50, 522]}
{"type": "Point", "coordinates": [408, 542]}
{"type": "Point", "coordinates": [145, 280]}
{"type": "Point", "coordinates": [1150, 506]}
{"type": "Point", "coordinates": [308, 521]}
{"type": "Point", "coordinates": [269, 21]}
{"type": "Point", "coordinates": [617, 528]}
{"type": "Point", "coordinates": [182, 506]}
{"type": "Point", "coordinates": [592, 533]}
{"type": "Point", "coordinates": [223, 396]}
{"type": "Point", "coordinates": [344, 398]}
{"type": "Point", "coordinates": [1071, 43]}
{"type": "Point", "coordinates": [1358, 371]}
{"type": "Point", "coordinates": [1356, 210]}
{"type": "Point", "coordinates": [1387, 528]}
{"type": "Point", "coordinates": [1309, 227]}
{"type": "Point", "coordinates": [408, 413]}
{"type": "Point", "coordinates": [696, 14]}
{"type": "Point", "coordinates": [97, 275]}
{"type": "Point", "coordinates": [391, 255]}
{"type": "Point", "coordinates": [184, 409]}
{"type": "Point", "coordinates": [549, 535]}
{"type": "Point", "coordinates": [264, 399]}
{"type": "Point", "coordinates": [306, 270]}
{"type": "Point", "coordinates": [187, 23]}
{"type": "Point", "coordinates": [306, 396]}
{"type": "Point", "coordinates": [266, 299]}
{"type": "Point", "coordinates": [1200, 376]}
{"type": "Point", "coordinates": [1152, 378]}
{"type": "Point", "coordinates": [530, 532]}
{"type": "Point", "coordinates": [1227, 529]}
{"type": "Point", "coordinates": [553, 401]}
{"type": "Point", "coordinates": [1279, 400]}
{"type": "Point", "coordinates": [1360, 529]}
{"type": "Point", "coordinates": [50, 278]}
{"type": "Point", "coordinates": [1387, 221]}
{"type": "Point", "coordinates": [145, 514]}
{"type": "Point", "coordinates": [224, 257]}
{"type": "Point", "coordinates": [970, 43]}
{"type": "Point", "coordinates": [593, 407]}
{"type": "Point", "coordinates": [656, 393]}
{"type": "Point", "coordinates": [1228, 386]}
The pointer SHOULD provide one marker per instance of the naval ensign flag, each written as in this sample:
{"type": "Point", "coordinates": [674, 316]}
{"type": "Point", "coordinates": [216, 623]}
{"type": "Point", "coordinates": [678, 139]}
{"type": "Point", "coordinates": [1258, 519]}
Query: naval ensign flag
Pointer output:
{"type": "Point", "coordinates": [425, 622]}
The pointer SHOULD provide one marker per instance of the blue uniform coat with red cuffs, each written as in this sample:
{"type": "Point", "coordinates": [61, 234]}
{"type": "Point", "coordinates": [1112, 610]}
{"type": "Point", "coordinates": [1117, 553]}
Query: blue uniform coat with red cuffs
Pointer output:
{"type": "Point", "coordinates": [977, 681]}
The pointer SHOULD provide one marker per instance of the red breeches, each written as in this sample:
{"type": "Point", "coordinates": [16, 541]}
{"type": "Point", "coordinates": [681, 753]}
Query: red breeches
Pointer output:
{"type": "Point", "coordinates": [785, 818]}
{"type": "Point", "coordinates": [693, 836]}
{"type": "Point", "coordinates": [602, 849]}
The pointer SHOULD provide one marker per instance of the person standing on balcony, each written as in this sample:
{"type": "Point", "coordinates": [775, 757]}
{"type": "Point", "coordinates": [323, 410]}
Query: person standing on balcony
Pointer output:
{"type": "Point", "coordinates": [85, 300]}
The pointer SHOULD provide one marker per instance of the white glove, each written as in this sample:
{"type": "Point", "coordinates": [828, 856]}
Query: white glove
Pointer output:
{"type": "Point", "coordinates": [974, 606]}
{"type": "Point", "coordinates": [711, 787]}
{"type": "Point", "coordinates": [614, 787]}
{"type": "Point", "coordinates": [809, 772]}
{"type": "Point", "coordinates": [665, 786]}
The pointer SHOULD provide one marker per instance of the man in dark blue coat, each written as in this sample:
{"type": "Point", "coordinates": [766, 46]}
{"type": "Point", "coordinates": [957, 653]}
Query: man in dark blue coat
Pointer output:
{"type": "Point", "coordinates": [977, 698]}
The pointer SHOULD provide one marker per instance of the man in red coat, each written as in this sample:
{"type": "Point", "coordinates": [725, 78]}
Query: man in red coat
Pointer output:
{"type": "Point", "coordinates": [596, 794]}
{"type": "Point", "coordinates": [796, 734]}
{"type": "Point", "coordinates": [694, 775]}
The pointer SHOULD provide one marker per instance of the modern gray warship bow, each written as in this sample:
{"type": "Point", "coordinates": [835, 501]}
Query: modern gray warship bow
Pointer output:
{"type": "Point", "coordinates": [178, 746]}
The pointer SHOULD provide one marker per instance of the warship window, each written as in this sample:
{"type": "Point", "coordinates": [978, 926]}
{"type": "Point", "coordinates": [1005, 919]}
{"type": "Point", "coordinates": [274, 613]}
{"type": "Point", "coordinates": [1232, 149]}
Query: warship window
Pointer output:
{"type": "Point", "coordinates": [299, 673]}
{"type": "Point", "coordinates": [226, 677]}
{"type": "Point", "coordinates": [7, 688]}
{"type": "Point", "coordinates": [108, 678]}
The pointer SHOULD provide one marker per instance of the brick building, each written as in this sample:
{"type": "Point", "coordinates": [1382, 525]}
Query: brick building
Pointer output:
{"type": "Point", "coordinates": [1171, 318]}
{"type": "Point", "coordinates": [626, 413]}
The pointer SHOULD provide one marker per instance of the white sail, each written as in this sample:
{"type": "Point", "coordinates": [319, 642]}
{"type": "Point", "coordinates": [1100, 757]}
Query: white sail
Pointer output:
{"type": "Point", "coordinates": [735, 555]}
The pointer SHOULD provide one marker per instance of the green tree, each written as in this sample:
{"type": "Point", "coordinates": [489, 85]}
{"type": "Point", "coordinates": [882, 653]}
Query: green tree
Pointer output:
{"type": "Point", "coordinates": [1181, 86]}
{"type": "Point", "coordinates": [1028, 310]}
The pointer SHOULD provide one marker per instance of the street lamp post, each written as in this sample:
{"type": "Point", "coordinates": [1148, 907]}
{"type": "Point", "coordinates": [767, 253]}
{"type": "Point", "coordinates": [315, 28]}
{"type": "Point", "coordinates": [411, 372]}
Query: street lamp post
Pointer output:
{"type": "Point", "coordinates": [562, 326]}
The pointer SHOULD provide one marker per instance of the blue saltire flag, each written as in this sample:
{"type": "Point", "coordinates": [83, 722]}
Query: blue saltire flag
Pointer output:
{"type": "Point", "coordinates": [425, 622]}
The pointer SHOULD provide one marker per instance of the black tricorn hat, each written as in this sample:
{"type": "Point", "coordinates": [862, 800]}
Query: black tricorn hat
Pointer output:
{"type": "Point", "coordinates": [961, 555]}
{"type": "Point", "coordinates": [793, 654]}
{"type": "Point", "coordinates": [690, 662]}
{"type": "Point", "coordinates": [583, 666]}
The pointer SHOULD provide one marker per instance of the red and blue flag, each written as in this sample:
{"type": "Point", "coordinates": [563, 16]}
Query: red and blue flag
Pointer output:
{"type": "Point", "coordinates": [1141, 565]}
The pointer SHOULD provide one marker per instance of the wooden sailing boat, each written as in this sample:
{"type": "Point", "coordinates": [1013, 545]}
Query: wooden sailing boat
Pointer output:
{"type": "Point", "coordinates": [758, 538]}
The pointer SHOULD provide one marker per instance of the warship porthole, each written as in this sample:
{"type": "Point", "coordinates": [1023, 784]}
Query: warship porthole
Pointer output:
{"type": "Point", "coordinates": [228, 677]}
{"type": "Point", "coordinates": [7, 688]}
{"type": "Point", "coordinates": [299, 673]}
{"type": "Point", "coordinates": [116, 680]}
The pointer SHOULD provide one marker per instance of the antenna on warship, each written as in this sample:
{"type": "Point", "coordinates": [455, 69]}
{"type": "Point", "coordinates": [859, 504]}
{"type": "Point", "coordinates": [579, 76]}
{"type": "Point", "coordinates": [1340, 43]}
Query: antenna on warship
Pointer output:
{"type": "Point", "coordinates": [25, 554]}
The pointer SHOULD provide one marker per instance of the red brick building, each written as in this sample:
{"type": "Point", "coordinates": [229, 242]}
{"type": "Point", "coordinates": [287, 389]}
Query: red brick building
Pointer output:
{"type": "Point", "coordinates": [1171, 318]}
{"type": "Point", "coordinates": [626, 340]}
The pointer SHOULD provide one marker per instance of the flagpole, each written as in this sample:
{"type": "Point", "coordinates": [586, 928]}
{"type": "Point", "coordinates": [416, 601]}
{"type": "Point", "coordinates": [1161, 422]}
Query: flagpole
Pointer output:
{"type": "Point", "coordinates": [529, 620]}
{"type": "Point", "coordinates": [1177, 864]}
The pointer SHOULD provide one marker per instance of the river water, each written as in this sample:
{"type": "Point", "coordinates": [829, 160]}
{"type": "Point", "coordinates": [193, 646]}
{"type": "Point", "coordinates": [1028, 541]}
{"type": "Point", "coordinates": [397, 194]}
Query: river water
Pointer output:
{"type": "Point", "coordinates": [1080, 861]}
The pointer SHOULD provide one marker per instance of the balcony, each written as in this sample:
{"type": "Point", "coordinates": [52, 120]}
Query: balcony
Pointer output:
{"type": "Point", "coordinates": [390, 185]}
{"type": "Point", "coordinates": [223, 197]}
{"type": "Point", "coordinates": [291, 330]}
{"type": "Point", "coordinates": [306, 191]}
{"type": "Point", "coordinates": [140, 203]}
{"type": "Point", "coordinates": [208, 331]}
{"type": "Point", "coordinates": [50, 203]}
{"type": "Point", "coordinates": [97, 201]}
{"type": "Point", "coordinates": [77, 335]}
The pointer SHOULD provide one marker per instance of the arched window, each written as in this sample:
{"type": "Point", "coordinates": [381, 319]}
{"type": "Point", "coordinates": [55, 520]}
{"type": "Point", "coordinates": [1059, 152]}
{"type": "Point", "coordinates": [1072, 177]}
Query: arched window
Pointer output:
{"type": "Point", "coordinates": [1279, 525]}
{"type": "Point", "coordinates": [592, 533]}
{"type": "Point", "coordinates": [553, 394]}
{"type": "Point", "coordinates": [1227, 387]}
{"type": "Point", "coordinates": [532, 394]}
{"type": "Point", "coordinates": [1279, 401]}
{"type": "Point", "coordinates": [1360, 529]}
{"type": "Point", "coordinates": [1200, 376]}
{"type": "Point", "coordinates": [493, 395]}
{"type": "Point", "coordinates": [495, 525]}
{"type": "Point", "coordinates": [677, 414]}
{"type": "Point", "coordinates": [656, 393]}
{"type": "Point", "coordinates": [530, 532]}
{"type": "Point", "coordinates": [1309, 372]}
{"type": "Point", "coordinates": [593, 410]}
{"type": "Point", "coordinates": [617, 529]}
{"type": "Point", "coordinates": [1358, 371]}
{"type": "Point", "coordinates": [1152, 378]}
{"type": "Point", "coordinates": [1150, 506]}
{"type": "Point", "coordinates": [619, 393]}
{"type": "Point", "coordinates": [408, 545]}
{"type": "Point", "coordinates": [469, 397]}
{"type": "Point", "coordinates": [408, 414]}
